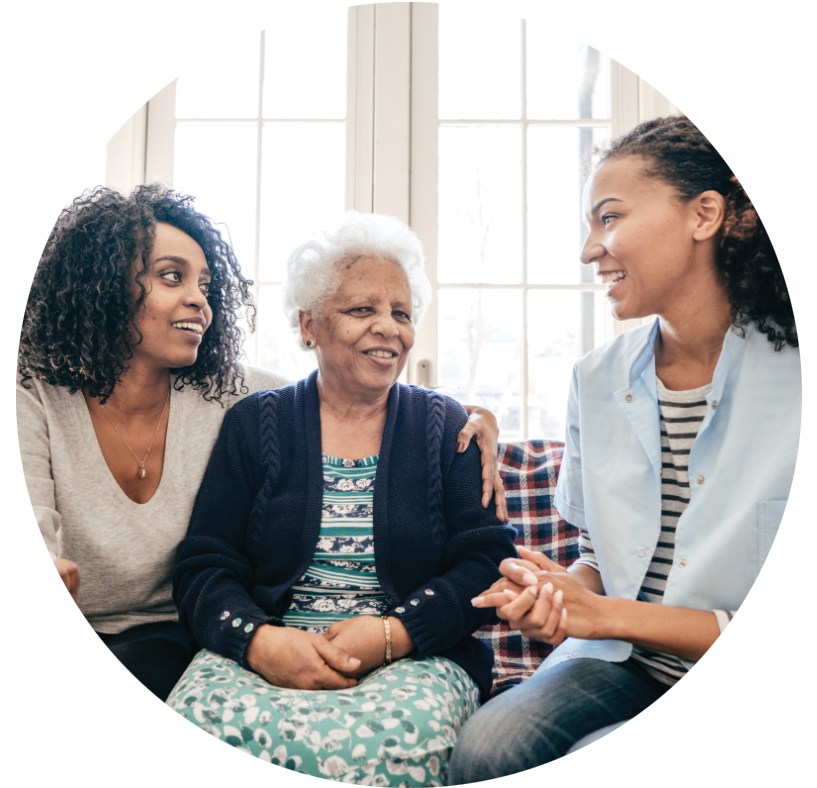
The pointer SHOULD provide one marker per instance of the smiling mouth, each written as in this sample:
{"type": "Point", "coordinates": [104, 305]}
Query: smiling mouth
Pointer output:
{"type": "Point", "coordinates": [381, 353]}
{"type": "Point", "coordinates": [611, 278]}
{"type": "Point", "coordinates": [185, 326]}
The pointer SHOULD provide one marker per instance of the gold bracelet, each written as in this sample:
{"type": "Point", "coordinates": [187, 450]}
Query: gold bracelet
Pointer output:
{"type": "Point", "coordinates": [387, 627]}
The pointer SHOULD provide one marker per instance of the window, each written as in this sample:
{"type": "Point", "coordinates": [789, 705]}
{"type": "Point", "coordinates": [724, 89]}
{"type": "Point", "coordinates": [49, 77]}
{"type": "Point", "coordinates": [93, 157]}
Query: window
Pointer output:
{"type": "Point", "coordinates": [403, 114]}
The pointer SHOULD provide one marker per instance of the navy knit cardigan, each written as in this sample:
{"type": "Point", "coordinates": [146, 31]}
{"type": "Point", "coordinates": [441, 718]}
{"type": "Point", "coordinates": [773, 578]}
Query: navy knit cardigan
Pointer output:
{"type": "Point", "coordinates": [257, 517]}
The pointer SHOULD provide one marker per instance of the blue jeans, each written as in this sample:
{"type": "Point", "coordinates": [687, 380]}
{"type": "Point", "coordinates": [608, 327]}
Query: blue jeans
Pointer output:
{"type": "Point", "coordinates": [540, 720]}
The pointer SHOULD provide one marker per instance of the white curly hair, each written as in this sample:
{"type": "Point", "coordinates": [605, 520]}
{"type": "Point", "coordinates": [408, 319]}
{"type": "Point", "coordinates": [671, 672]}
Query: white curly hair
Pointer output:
{"type": "Point", "coordinates": [314, 269]}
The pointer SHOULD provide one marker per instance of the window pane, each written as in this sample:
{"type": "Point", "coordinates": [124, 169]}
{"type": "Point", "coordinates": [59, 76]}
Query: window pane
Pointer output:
{"type": "Point", "coordinates": [479, 65]}
{"type": "Point", "coordinates": [305, 63]}
{"type": "Point", "coordinates": [277, 346]}
{"type": "Point", "coordinates": [224, 85]}
{"type": "Point", "coordinates": [555, 229]}
{"type": "Point", "coordinates": [479, 336]}
{"type": "Point", "coordinates": [303, 175]}
{"type": "Point", "coordinates": [565, 79]}
{"type": "Point", "coordinates": [217, 165]}
{"type": "Point", "coordinates": [479, 235]}
{"type": "Point", "coordinates": [563, 325]}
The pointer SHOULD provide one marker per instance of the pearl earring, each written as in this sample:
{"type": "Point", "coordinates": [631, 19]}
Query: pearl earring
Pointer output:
{"type": "Point", "coordinates": [309, 343]}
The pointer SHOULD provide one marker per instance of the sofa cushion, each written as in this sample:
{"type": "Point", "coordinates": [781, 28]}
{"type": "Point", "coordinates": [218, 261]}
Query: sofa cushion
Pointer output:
{"type": "Point", "coordinates": [529, 470]}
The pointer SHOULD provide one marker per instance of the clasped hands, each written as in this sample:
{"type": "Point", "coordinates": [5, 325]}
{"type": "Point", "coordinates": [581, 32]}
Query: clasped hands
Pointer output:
{"type": "Point", "coordinates": [349, 649]}
{"type": "Point", "coordinates": [542, 599]}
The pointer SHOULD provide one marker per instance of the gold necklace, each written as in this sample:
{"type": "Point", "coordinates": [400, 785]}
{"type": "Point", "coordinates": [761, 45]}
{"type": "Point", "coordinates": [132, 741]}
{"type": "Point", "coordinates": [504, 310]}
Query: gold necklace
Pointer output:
{"type": "Point", "coordinates": [141, 473]}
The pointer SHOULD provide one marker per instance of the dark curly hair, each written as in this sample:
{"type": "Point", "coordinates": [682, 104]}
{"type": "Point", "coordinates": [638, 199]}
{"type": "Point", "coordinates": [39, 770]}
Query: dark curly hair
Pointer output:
{"type": "Point", "coordinates": [81, 298]}
{"type": "Point", "coordinates": [678, 153]}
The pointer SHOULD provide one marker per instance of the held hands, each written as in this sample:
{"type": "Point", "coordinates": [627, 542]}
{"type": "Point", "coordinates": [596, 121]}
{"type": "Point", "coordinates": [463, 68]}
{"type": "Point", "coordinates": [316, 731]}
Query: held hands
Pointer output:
{"type": "Point", "coordinates": [291, 658]}
{"type": "Point", "coordinates": [363, 636]}
{"type": "Point", "coordinates": [542, 600]}
{"type": "Point", "coordinates": [482, 425]}
{"type": "Point", "coordinates": [69, 573]}
{"type": "Point", "coordinates": [348, 650]}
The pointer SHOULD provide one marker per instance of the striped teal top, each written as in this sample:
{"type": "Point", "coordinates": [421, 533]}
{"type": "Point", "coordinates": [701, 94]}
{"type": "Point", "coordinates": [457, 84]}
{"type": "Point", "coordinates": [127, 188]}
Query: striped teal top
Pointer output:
{"type": "Point", "coordinates": [341, 581]}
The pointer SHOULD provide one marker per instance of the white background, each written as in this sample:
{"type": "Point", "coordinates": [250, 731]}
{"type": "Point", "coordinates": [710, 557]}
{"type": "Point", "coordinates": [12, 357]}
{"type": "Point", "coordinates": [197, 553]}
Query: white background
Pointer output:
{"type": "Point", "coordinates": [73, 72]}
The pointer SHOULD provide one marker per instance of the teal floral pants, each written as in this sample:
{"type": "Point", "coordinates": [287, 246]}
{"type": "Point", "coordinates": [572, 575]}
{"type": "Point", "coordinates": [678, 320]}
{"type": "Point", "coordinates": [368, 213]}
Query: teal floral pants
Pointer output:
{"type": "Point", "coordinates": [396, 727]}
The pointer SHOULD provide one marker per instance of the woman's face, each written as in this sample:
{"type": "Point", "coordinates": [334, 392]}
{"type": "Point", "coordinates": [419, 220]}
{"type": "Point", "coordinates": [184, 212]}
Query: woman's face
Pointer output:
{"type": "Point", "coordinates": [365, 332]}
{"type": "Point", "coordinates": [644, 240]}
{"type": "Point", "coordinates": [175, 313]}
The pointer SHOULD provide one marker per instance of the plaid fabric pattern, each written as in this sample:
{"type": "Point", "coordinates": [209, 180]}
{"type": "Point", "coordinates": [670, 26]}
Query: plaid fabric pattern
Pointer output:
{"type": "Point", "coordinates": [529, 470]}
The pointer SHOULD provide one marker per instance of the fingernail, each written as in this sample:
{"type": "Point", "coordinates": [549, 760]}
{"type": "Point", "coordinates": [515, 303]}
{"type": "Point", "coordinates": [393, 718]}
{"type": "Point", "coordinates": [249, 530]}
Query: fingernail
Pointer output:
{"type": "Point", "coordinates": [460, 446]}
{"type": "Point", "coordinates": [511, 594]}
{"type": "Point", "coordinates": [477, 600]}
{"type": "Point", "coordinates": [564, 613]}
{"type": "Point", "coordinates": [557, 597]}
{"type": "Point", "coordinates": [532, 590]}
{"type": "Point", "coordinates": [529, 578]}
{"type": "Point", "coordinates": [549, 587]}
{"type": "Point", "coordinates": [354, 660]}
{"type": "Point", "coordinates": [543, 590]}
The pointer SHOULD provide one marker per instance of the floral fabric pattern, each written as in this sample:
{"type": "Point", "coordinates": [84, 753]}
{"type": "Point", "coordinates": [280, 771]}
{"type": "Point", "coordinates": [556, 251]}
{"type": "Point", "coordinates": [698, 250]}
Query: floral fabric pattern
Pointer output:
{"type": "Point", "coordinates": [395, 728]}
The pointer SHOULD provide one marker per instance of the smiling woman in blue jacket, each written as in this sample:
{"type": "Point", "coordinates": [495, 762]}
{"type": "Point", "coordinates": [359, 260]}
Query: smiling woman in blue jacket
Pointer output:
{"type": "Point", "coordinates": [338, 538]}
{"type": "Point", "coordinates": [681, 442]}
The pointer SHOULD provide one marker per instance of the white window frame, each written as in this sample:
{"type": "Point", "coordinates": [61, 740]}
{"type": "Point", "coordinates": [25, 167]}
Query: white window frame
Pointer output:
{"type": "Point", "coordinates": [391, 139]}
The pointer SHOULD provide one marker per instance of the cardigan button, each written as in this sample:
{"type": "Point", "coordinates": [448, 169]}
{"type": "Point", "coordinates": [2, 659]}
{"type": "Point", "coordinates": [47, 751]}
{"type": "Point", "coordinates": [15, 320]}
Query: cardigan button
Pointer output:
{"type": "Point", "coordinates": [236, 622]}
{"type": "Point", "coordinates": [249, 628]}
{"type": "Point", "coordinates": [399, 610]}
{"type": "Point", "coordinates": [714, 404]}
{"type": "Point", "coordinates": [429, 592]}
{"type": "Point", "coordinates": [628, 398]}
{"type": "Point", "coordinates": [414, 602]}
{"type": "Point", "coordinates": [700, 480]}
{"type": "Point", "coordinates": [682, 562]}
{"type": "Point", "coordinates": [641, 552]}
{"type": "Point", "coordinates": [225, 615]}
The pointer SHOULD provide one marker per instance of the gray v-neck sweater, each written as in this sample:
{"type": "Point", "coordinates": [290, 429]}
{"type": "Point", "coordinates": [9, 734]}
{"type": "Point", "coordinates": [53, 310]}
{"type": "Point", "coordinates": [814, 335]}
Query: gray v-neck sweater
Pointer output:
{"type": "Point", "coordinates": [125, 551]}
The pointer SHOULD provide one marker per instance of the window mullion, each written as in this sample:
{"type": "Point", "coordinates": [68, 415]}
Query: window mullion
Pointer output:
{"type": "Point", "coordinates": [423, 195]}
{"type": "Point", "coordinates": [523, 352]}
{"type": "Point", "coordinates": [259, 140]}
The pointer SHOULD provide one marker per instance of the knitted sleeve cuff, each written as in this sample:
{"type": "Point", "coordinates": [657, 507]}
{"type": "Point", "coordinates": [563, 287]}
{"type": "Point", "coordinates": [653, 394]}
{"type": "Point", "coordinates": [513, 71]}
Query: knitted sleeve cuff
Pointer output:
{"type": "Point", "coordinates": [430, 619]}
{"type": "Point", "coordinates": [237, 628]}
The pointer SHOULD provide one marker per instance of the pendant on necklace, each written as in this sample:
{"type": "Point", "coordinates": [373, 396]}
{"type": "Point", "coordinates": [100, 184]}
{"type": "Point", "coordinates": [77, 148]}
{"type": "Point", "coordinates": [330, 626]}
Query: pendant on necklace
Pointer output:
{"type": "Point", "coordinates": [141, 470]}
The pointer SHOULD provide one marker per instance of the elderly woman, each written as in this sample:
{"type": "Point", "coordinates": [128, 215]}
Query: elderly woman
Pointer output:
{"type": "Point", "coordinates": [338, 537]}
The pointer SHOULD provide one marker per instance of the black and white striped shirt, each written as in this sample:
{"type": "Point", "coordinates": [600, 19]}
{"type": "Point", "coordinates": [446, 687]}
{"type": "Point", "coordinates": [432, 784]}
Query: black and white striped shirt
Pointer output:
{"type": "Point", "coordinates": [681, 415]}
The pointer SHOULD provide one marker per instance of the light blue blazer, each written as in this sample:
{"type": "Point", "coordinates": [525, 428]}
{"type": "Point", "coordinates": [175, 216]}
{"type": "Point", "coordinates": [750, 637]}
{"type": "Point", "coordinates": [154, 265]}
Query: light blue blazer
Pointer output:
{"type": "Point", "coordinates": [740, 471]}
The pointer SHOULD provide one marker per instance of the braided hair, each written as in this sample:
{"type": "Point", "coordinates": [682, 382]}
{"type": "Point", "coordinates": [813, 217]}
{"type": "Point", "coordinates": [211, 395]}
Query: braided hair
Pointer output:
{"type": "Point", "coordinates": [78, 332]}
{"type": "Point", "coordinates": [676, 152]}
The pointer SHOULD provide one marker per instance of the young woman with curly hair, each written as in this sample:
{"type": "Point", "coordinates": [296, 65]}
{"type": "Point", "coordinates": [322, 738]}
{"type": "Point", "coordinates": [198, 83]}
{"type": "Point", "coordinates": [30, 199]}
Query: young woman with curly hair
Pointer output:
{"type": "Point", "coordinates": [128, 360]}
{"type": "Point", "coordinates": [680, 448]}
{"type": "Point", "coordinates": [128, 363]}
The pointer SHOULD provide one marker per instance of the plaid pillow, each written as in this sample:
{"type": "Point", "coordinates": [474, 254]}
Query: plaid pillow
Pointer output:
{"type": "Point", "coordinates": [529, 470]}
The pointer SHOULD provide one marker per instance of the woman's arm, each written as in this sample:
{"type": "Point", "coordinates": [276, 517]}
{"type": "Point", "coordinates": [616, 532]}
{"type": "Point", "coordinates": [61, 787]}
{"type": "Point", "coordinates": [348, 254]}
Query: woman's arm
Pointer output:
{"type": "Point", "coordinates": [214, 573]}
{"type": "Point", "coordinates": [591, 615]}
{"type": "Point", "coordinates": [439, 614]}
{"type": "Point", "coordinates": [482, 425]}
{"type": "Point", "coordinates": [35, 452]}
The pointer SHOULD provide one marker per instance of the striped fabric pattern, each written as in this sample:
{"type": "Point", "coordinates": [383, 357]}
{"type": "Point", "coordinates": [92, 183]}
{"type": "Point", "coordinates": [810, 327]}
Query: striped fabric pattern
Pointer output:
{"type": "Point", "coordinates": [341, 580]}
{"type": "Point", "coordinates": [681, 415]}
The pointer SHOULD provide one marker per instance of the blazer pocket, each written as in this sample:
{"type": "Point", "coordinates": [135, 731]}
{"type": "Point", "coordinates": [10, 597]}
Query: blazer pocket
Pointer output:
{"type": "Point", "coordinates": [769, 515]}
